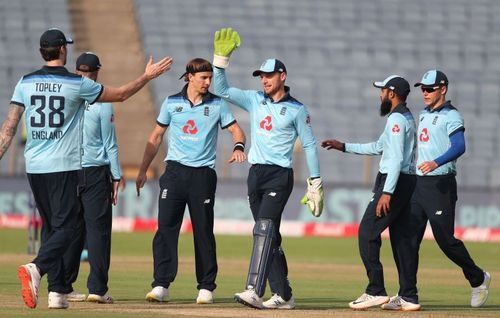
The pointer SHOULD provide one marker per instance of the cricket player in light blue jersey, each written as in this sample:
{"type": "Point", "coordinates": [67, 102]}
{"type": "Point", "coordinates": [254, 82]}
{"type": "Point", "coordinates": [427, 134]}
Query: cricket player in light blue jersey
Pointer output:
{"type": "Point", "coordinates": [54, 101]}
{"type": "Point", "coordinates": [99, 181]}
{"type": "Point", "coordinates": [192, 117]}
{"type": "Point", "coordinates": [392, 191]}
{"type": "Point", "coordinates": [440, 143]}
{"type": "Point", "coordinates": [276, 120]}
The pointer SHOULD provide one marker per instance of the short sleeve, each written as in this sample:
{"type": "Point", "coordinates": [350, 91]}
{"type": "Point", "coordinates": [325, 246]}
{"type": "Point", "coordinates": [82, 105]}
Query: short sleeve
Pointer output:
{"type": "Point", "coordinates": [17, 97]}
{"type": "Point", "coordinates": [226, 117]}
{"type": "Point", "coordinates": [90, 90]}
{"type": "Point", "coordinates": [164, 117]}
{"type": "Point", "coordinates": [454, 123]}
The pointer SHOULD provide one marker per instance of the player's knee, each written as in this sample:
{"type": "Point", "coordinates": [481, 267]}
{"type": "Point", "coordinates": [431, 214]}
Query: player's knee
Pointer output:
{"type": "Point", "coordinates": [264, 227]}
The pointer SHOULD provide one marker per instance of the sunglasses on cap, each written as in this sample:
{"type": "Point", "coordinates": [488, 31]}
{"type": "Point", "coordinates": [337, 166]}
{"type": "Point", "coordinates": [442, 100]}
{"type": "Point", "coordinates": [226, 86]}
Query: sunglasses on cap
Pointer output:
{"type": "Point", "coordinates": [429, 89]}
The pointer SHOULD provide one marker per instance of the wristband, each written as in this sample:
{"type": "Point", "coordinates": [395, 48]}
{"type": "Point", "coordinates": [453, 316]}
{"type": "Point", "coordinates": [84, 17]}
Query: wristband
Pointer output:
{"type": "Point", "coordinates": [239, 146]}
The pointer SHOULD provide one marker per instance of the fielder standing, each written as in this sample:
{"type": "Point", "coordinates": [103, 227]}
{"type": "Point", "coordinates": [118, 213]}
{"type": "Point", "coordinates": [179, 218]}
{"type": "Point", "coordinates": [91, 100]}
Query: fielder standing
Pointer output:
{"type": "Point", "coordinates": [440, 143]}
{"type": "Point", "coordinates": [54, 101]}
{"type": "Point", "coordinates": [194, 116]}
{"type": "Point", "coordinates": [276, 120]}
{"type": "Point", "coordinates": [98, 190]}
{"type": "Point", "coordinates": [392, 190]}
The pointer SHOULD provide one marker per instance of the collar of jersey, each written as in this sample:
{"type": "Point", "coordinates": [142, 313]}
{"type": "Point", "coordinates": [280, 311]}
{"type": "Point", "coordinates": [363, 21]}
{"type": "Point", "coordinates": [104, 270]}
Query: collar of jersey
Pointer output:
{"type": "Point", "coordinates": [285, 97]}
{"type": "Point", "coordinates": [205, 98]}
{"type": "Point", "coordinates": [446, 104]}
{"type": "Point", "coordinates": [401, 108]}
{"type": "Point", "coordinates": [59, 70]}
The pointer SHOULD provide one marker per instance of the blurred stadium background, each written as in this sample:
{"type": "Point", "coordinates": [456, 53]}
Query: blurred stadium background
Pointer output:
{"type": "Point", "coordinates": [333, 50]}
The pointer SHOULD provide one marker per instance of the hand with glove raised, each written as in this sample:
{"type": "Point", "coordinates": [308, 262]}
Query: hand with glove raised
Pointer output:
{"type": "Point", "coordinates": [226, 40]}
{"type": "Point", "coordinates": [314, 196]}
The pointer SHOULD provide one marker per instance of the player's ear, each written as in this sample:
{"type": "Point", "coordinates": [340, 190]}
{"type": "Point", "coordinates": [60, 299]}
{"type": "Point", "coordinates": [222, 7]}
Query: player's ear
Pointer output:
{"type": "Point", "coordinates": [283, 76]}
{"type": "Point", "coordinates": [444, 90]}
{"type": "Point", "coordinates": [392, 95]}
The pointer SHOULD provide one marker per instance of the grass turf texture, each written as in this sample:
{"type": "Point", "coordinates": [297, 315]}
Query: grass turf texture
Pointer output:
{"type": "Point", "coordinates": [325, 273]}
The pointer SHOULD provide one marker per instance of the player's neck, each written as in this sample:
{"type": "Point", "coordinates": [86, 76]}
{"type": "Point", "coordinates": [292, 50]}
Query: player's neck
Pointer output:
{"type": "Point", "coordinates": [194, 96]}
{"type": "Point", "coordinates": [278, 95]}
{"type": "Point", "coordinates": [439, 103]}
{"type": "Point", "coordinates": [57, 62]}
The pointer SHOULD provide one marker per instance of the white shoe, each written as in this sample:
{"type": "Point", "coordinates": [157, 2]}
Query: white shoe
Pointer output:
{"type": "Point", "coordinates": [205, 296]}
{"type": "Point", "coordinates": [366, 301]}
{"type": "Point", "coordinates": [158, 294]}
{"type": "Point", "coordinates": [479, 294]}
{"type": "Point", "coordinates": [277, 302]}
{"type": "Point", "coordinates": [249, 298]}
{"type": "Point", "coordinates": [58, 301]}
{"type": "Point", "coordinates": [29, 276]}
{"type": "Point", "coordinates": [75, 296]}
{"type": "Point", "coordinates": [398, 303]}
{"type": "Point", "coordinates": [104, 299]}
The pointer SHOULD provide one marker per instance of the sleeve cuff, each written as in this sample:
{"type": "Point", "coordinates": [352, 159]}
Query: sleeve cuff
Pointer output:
{"type": "Point", "coordinates": [220, 61]}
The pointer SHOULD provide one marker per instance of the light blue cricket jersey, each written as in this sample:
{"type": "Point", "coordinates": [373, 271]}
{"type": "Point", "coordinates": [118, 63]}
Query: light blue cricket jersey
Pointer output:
{"type": "Point", "coordinates": [193, 129]}
{"type": "Point", "coordinates": [274, 126]}
{"type": "Point", "coordinates": [54, 99]}
{"type": "Point", "coordinates": [434, 131]}
{"type": "Point", "coordinates": [99, 139]}
{"type": "Point", "coordinates": [396, 145]}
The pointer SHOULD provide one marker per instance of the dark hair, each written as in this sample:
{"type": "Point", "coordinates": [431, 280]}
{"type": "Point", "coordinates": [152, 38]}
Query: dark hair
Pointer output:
{"type": "Point", "coordinates": [50, 53]}
{"type": "Point", "coordinates": [197, 65]}
{"type": "Point", "coordinates": [401, 97]}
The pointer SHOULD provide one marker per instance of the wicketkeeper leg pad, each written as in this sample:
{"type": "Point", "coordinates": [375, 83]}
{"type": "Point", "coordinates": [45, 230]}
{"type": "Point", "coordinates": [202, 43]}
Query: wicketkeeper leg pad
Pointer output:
{"type": "Point", "coordinates": [264, 241]}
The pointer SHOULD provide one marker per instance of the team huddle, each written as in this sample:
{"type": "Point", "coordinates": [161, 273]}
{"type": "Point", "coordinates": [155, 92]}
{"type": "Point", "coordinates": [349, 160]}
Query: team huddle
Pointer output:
{"type": "Point", "coordinates": [74, 173]}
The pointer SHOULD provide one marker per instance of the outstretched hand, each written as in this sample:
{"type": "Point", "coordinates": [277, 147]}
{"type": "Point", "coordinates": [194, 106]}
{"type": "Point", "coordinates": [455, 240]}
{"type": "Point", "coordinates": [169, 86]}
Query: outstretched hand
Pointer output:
{"type": "Point", "coordinates": [333, 144]}
{"type": "Point", "coordinates": [153, 70]}
{"type": "Point", "coordinates": [226, 40]}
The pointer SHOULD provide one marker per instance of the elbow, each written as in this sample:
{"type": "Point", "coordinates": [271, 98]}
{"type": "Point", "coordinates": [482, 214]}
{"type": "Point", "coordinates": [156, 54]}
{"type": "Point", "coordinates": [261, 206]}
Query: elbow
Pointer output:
{"type": "Point", "coordinates": [461, 151]}
{"type": "Point", "coordinates": [122, 97]}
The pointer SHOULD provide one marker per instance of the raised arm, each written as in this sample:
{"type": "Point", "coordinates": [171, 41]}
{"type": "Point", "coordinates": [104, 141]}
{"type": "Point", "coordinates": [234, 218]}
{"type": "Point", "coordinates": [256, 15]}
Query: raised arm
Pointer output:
{"type": "Point", "coordinates": [122, 93]}
{"type": "Point", "coordinates": [225, 42]}
{"type": "Point", "coordinates": [9, 127]}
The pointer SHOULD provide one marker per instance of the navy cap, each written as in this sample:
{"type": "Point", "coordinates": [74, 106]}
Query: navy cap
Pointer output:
{"type": "Point", "coordinates": [433, 78]}
{"type": "Point", "coordinates": [395, 83]}
{"type": "Point", "coordinates": [53, 38]}
{"type": "Point", "coordinates": [88, 62]}
{"type": "Point", "coordinates": [270, 66]}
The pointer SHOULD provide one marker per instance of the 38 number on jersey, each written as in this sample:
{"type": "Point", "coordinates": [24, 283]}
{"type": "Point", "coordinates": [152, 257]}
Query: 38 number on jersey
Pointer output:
{"type": "Point", "coordinates": [55, 111]}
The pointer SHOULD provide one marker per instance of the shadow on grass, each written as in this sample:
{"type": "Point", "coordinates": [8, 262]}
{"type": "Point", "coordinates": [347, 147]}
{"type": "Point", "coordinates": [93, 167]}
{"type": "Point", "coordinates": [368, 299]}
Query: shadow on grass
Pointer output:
{"type": "Point", "coordinates": [302, 303]}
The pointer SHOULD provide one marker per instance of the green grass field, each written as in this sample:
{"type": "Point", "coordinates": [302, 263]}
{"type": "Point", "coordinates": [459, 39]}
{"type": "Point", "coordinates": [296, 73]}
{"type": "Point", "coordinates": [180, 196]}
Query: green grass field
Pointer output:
{"type": "Point", "coordinates": [326, 273]}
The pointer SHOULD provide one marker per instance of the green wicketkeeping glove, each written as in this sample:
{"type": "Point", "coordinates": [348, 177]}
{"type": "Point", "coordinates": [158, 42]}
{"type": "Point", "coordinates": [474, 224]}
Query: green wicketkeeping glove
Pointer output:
{"type": "Point", "coordinates": [314, 196]}
{"type": "Point", "coordinates": [226, 40]}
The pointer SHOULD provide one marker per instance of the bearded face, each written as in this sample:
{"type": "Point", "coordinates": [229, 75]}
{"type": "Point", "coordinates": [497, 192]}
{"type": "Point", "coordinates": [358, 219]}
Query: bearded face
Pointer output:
{"type": "Point", "coordinates": [385, 106]}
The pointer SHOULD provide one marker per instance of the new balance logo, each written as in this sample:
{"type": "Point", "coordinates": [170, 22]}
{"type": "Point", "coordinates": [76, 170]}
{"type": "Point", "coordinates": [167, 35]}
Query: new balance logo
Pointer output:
{"type": "Point", "coordinates": [207, 201]}
{"type": "Point", "coordinates": [272, 194]}
{"type": "Point", "coordinates": [164, 193]}
{"type": "Point", "coordinates": [439, 212]}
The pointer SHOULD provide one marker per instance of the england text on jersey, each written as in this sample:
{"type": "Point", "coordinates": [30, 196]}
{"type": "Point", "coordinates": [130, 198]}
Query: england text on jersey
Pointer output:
{"type": "Point", "coordinates": [46, 135]}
